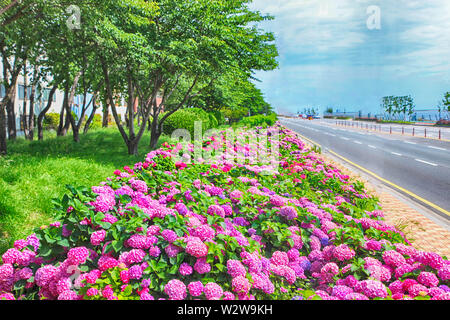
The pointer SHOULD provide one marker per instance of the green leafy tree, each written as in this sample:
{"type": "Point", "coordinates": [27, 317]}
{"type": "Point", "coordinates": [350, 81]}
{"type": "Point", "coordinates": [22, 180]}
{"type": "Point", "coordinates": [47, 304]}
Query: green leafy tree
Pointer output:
{"type": "Point", "coordinates": [188, 46]}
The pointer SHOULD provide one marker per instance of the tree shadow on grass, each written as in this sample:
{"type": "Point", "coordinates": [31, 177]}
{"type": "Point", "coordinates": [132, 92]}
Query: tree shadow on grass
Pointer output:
{"type": "Point", "coordinates": [103, 146]}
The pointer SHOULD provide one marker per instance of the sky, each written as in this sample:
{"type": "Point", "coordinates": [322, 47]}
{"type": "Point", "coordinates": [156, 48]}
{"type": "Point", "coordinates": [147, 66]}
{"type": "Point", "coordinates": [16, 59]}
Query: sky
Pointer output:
{"type": "Point", "coordinates": [348, 54]}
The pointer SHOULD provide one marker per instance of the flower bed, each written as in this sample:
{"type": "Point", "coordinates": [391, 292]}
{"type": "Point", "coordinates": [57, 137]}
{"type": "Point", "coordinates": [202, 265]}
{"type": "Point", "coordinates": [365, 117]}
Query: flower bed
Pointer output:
{"type": "Point", "coordinates": [221, 230]}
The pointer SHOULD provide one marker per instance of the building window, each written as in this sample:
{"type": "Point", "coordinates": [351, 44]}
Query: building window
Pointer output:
{"type": "Point", "coordinates": [2, 91]}
{"type": "Point", "coordinates": [46, 94]}
{"type": "Point", "coordinates": [22, 92]}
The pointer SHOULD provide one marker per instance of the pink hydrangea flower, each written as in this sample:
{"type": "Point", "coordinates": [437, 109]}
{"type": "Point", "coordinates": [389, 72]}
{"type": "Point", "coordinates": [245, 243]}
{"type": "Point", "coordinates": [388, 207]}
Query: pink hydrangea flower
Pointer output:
{"type": "Point", "coordinates": [11, 256]}
{"type": "Point", "coordinates": [227, 295]}
{"type": "Point", "coordinates": [107, 262]}
{"type": "Point", "coordinates": [98, 237]}
{"type": "Point", "coordinates": [341, 291]}
{"type": "Point", "coordinates": [204, 232]}
{"type": "Point", "coordinates": [431, 259]}
{"type": "Point", "coordinates": [175, 289]}
{"type": "Point", "coordinates": [185, 269]}
{"type": "Point", "coordinates": [78, 255]}
{"type": "Point", "coordinates": [393, 258]}
{"type": "Point", "coordinates": [135, 272]}
{"type": "Point", "coordinates": [135, 256]}
{"type": "Point", "coordinates": [91, 292]}
{"type": "Point", "coordinates": [343, 252]}
{"type": "Point", "coordinates": [444, 272]}
{"type": "Point", "coordinates": [280, 258]}
{"type": "Point", "coordinates": [154, 251]}
{"type": "Point", "coordinates": [372, 288]}
{"type": "Point", "coordinates": [197, 248]}
{"type": "Point", "coordinates": [240, 284]}
{"type": "Point", "coordinates": [44, 275]}
{"type": "Point", "coordinates": [195, 288]}
{"type": "Point", "coordinates": [216, 210]}
{"type": "Point", "coordinates": [355, 296]}
{"type": "Point", "coordinates": [201, 266]}
{"type": "Point", "coordinates": [417, 290]}
{"type": "Point", "coordinates": [68, 295]}
{"type": "Point", "coordinates": [213, 291]}
{"type": "Point", "coordinates": [428, 279]}
{"type": "Point", "coordinates": [289, 212]}
{"type": "Point", "coordinates": [169, 235]}
{"type": "Point", "coordinates": [235, 268]}
{"type": "Point", "coordinates": [108, 292]}
{"type": "Point", "coordinates": [109, 218]}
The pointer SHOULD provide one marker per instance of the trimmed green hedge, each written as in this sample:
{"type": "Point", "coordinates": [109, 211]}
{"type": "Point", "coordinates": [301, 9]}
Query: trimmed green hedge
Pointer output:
{"type": "Point", "coordinates": [185, 119]}
{"type": "Point", "coordinates": [259, 120]}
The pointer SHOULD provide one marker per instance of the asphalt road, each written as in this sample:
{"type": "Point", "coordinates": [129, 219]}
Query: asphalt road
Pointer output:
{"type": "Point", "coordinates": [421, 166]}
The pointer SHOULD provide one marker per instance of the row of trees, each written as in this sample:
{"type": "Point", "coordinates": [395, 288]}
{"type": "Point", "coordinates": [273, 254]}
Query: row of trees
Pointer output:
{"type": "Point", "coordinates": [444, 104]}
{"type": "Point", "coordinates": [190, 53]}
{"type": "Point", "coordinates": [403, 105]}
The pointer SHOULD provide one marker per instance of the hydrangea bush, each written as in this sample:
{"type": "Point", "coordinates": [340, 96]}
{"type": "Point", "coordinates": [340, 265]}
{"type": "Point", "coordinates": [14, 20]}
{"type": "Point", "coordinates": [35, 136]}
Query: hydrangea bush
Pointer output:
{"type": "Point", "coordinates": [220, 230]}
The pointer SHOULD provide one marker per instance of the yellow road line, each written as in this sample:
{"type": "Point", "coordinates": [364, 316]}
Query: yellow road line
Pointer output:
{"type": "Point", "coordinates": [309, 140]}
{"type": "Point", "coordinates": [392, 184]}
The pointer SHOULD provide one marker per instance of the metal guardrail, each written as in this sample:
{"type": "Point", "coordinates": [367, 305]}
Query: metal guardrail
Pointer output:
{"type": "Point", "coordinates": [414, 131]}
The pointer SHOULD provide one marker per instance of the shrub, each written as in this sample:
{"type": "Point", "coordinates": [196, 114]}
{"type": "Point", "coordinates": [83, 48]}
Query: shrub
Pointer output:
{"type": "Point", "coordinates": [213, 123]}
{"type": "Point", "coordinates": [96, 122]}
{"type": "Point", "coordinates": [186, 118]}
{"type": "Point", "coordinates": [51, 121]}
{"type": "Point", "coordinates": [219, 117]}
{"type": "Point", "coordinates": [259, 120]}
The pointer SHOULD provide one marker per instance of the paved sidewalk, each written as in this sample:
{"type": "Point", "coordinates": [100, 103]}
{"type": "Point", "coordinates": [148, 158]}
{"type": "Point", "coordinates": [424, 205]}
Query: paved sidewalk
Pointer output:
{"type": "Point", "coordinates": [423, 233]}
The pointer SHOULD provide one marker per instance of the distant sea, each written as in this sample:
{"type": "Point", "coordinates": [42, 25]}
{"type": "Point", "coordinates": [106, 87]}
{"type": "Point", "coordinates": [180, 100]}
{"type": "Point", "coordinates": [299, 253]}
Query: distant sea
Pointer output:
{"type": "Point", "coordinates": [426, 115]}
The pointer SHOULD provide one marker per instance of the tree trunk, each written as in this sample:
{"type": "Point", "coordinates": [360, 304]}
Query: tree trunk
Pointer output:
{"type": "Point", "coordinates": [105, 115]}
{"type": "Point", "coordinates": [67, 120]}
{"type": "Point", "coordinates": [70, 119]}
{"type": "Point", "coordinates": [90, 119]}
{"type": "Point", "coordinates": [25, 100]}
{"type": "Point", "coordinates": [7, 115]}
{"type": "Point", "coordinates": [133, 147]}
{"type": "Point", "coordinates": [43, 112]}
{"type": "Point", "coordinates": [32, 98]}
{"type": "Point", "coordinates": [61, 114]}
{"type": "Point", "coordinates": [12, 130]}
{"type": "Point", "coordinates": [3, 147]}
{"type": "Point", "coordinates": [155, 134]}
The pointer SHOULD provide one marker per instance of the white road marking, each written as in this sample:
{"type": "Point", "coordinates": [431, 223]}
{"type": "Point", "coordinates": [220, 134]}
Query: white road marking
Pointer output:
{"type": "Point", "coordinates": [426, 162]}
{"type": "Point", "coordinates": [410, 142]}
{"type": "Point", "coordinates": [438, 148]}
{"type": "Point", "coordinates": [344, 138]}
{"type": "Point", "coordinates": [373, 147]}
{"type": "Point", "coordinates": [397, 154]}
{"type": "Point", "coordinates": [358, 142]}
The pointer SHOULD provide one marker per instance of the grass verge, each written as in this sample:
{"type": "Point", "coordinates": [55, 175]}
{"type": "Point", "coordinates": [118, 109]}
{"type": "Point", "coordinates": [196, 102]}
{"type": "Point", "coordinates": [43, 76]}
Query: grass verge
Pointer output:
{"type": "Point", "coordinates": [35, 172]}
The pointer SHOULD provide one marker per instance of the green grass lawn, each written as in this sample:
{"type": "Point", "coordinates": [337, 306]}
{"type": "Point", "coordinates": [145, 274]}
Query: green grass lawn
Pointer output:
{"type": "Point", "coordinates": [35, 172]}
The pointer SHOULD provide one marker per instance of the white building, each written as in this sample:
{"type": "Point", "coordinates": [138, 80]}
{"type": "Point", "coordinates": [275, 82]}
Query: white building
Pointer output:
{"type": "Point", "coordinates": [42, 102]}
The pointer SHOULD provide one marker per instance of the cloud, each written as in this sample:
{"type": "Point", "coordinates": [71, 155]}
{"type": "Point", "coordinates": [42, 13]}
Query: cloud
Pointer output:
{"type": "Point", "coordinates": [327, 40]}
